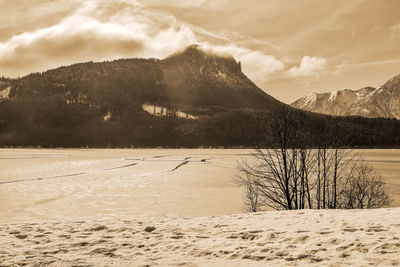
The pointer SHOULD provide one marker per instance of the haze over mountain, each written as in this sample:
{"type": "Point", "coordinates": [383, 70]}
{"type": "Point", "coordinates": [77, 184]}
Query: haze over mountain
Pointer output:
{"type": "Point", "coordinates": [191, 98]}
{"type": "Point", "coordinates": [368, 101]}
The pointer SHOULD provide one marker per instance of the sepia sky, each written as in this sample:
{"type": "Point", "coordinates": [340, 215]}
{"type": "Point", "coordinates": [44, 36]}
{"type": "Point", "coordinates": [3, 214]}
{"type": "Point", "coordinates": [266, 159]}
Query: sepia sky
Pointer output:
{"type": "Point", "coordinates": [290, 48]}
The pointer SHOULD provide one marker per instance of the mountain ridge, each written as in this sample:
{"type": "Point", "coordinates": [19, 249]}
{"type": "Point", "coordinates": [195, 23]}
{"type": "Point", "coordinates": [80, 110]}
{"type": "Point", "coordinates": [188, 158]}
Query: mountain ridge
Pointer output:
{"type": "Point", "coordinates": [367, 102]}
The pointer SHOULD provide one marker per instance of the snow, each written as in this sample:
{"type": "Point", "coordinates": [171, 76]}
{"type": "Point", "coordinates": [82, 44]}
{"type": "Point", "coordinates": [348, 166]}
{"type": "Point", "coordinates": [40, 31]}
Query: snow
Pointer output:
{"type": "Point", "coordinates": [333, 96]}
{"type": "Point", "coordinates": [107, 116]}
{"type": "Point", "coordinates": [364, 94]}
{"type": "Point", "coordinates": [163, 112]}
{"type": "Point", "coordinates": [221, 75]}
{"type": "Point", "coordinates": [4, 94]}
{"type": "Point", "coordinates": [309, 100]}
{"type": "Point", "coordinates": [70, 207]}
{"type": "Point", "coordinates": [285, 238]}
{"type": "Point", "coordinates": [364, 110]}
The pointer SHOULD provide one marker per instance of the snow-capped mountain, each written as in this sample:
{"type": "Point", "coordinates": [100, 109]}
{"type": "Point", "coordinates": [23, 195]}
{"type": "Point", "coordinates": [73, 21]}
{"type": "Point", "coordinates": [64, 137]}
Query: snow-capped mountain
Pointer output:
{"type": "Point", "coordinates": [368, 101]}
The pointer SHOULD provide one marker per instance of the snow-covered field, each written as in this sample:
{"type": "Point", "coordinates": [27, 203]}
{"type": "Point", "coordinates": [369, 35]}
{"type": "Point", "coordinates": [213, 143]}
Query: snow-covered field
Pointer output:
{"type": "Point", "coordinates": [68, 184]}
{"type": "Point", "coordinates": [91, 206]}
{"type": "Point", "coordinates": [40, 184]}
{"type": "Point", "coordinates": [286, 238]}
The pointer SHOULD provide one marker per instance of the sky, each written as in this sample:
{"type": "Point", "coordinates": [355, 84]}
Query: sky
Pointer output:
{"type": "Point", "coordinates": [289, 48]}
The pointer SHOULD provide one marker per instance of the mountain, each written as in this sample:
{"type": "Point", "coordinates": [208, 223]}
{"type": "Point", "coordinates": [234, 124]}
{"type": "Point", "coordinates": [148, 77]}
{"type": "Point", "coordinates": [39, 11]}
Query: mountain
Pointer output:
{"type": "Point", "coordinates": [130, 102]}
{"type": "Point", "coordinates": [191, 80]}
{"type": "Point", "coordinates": [189, 99]}
{"type": "Point", "coordinates": [368, 102]}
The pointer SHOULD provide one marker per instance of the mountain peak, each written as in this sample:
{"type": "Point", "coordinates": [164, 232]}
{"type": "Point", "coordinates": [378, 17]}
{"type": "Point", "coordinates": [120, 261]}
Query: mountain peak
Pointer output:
{"type": "Point", "coordinates": [189, 51]}
{"type": "Point", "coordinates": [200, 51]}
{"type": "Point", "coordinates": [195, 54]}
{"type": "Point", "coordinates": [393, 85]}
{"type": "Point", "coordinates": [194, 49]}
{"type": "Point", "coordinates": [203, 76]}
{"type": "Point", "coordinates": [395, 79]}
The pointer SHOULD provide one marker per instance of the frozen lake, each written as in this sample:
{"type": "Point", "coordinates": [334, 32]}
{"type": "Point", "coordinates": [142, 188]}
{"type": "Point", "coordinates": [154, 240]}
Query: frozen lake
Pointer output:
{"type": "Point", "coordinates": [73, 184]}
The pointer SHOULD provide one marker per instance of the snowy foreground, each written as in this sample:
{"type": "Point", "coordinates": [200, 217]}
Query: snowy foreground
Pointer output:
{"type": "Point", "coordinates": [288, 238]}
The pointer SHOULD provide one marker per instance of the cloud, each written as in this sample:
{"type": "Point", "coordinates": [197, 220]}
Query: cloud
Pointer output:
{"type": "Point", "coordinates": [177, 3]}
{"type": "Point", "coordinates": [309, 66]}
{"type": "Point", "coordinates": [255, 64]}
{"type": "Point", "coordinates": [338, 69]}
{"type": "Point", "coordinates": [101, 31]}
{"type": "Point", "coordinates": [395, 32]}
{"type": "Point", "coordinates": [82, 37]}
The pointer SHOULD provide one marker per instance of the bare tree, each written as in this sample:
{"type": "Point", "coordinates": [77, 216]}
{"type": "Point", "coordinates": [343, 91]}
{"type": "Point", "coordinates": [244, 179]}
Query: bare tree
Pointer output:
{"type": "Point", "coordinates": [279, 176]}
{"type": "Point", "coordinates": [289, 179]}
{"type": "Point", "coordinates": [291, 176]}
{"type": "Point", "coordinates": [270, 177]}
{"type": "Point", "coordinates": [251, 190]}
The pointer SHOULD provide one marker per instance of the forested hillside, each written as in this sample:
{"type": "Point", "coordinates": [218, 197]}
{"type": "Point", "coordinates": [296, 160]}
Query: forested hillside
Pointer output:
{"type": "Point", "coordinates": [101, 105]}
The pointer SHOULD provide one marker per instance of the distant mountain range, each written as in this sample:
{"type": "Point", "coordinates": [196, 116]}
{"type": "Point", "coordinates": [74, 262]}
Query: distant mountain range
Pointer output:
{"type": "Point", "coordinates": [368, 102]}
{"type": "Point", "coordinates": [189, 99]}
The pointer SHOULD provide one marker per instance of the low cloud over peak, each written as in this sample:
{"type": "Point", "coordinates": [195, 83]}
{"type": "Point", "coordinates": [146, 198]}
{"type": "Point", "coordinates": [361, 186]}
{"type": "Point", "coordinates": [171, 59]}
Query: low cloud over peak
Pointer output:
{"type": "Point", "coordinates": [98, 32]}
{"type": "Point", "coordinates": [309, 66]}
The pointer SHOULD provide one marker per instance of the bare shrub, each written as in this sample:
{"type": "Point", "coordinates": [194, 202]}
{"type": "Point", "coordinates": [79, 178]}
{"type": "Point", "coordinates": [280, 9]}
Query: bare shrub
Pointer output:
{"type": "Point", "coordinates": [362, 189]}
